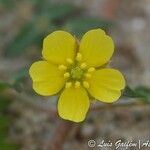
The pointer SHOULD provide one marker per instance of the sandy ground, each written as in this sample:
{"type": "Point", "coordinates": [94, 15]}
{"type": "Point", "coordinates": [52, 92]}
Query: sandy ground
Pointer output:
{"type": "Point", "coordinates": [131, 35]}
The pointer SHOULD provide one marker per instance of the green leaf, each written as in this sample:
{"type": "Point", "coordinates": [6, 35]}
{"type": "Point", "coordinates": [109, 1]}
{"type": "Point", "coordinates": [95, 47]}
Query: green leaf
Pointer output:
{"type": "Point", "coordinates": [54, 12]}
{"type": "Point", "coordinates": [4, 85]}
{"type": "Point", "coordinates": [26, 37]}
{"type": "Point", "coordinates": [128, 92]}
{"type": "Point", "coordinates": [4, 121]}
{"type": "Point", "coordinates": [33, 31]}
{"type": "Point", "coordinates": [139, 92]}
{"type": "Point", "coordinates": [40, 7]}
{"type": "Point", "coordinates": [7, 3]}
{"type": "Point", "coordinates": [79, 26]}
{"type": "Point", "coordinates": [60, 11]}
{"type": "Point", "coordinates": [19, 77]}
{"type": "Point", "coordinates": [4, 103]}
{"type": "Point", "coordinates": [143, 92]}
{"type": "Point", "coordinates": [8, 146]}
{"type": "Point", "coordinates": [3, 132]}
{"type": "Point", "coordinates": [21, 74]}
{"type": "Point", "coordinates": [4, 124]}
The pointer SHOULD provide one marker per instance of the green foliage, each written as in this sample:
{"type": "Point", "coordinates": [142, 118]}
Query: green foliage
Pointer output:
{"type": "Point", "coordinates": [80, 25]}
{"type": "Point", "coordinates": [32, 31]}
{"type": "Point", "coordinates": [4, 103]}
{"type": "Point", "coordinates": [7, 3]}
{"type": "Point", "coordinates": [21, 74]}
{"type": "Point", "coordinates": [4, 145]}
{"type": "Point", "coordinates": [20, 77]}
{"type": "Point", "coordinates": [128, 92]}
{"type": "Point", "coordinates": [27, 36]}
{"type": "Point", "coordinates": [46, 18]}
{"type": "Point", "coordinates": [139, 92]}
{"type": "Point", "coordinates": [56, 12]}
{"type": "Point", "coordinates": [5, 122]}
{"type": "Point", "coordinates": [4, 85]}
{"type": "Point", "coordinates": [144, 93]}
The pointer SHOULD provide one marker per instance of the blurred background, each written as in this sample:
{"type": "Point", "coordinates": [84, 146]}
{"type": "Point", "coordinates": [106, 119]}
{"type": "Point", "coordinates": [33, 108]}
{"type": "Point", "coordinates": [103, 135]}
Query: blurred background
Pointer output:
{"type": "Point", "coordinates": [27, 120]}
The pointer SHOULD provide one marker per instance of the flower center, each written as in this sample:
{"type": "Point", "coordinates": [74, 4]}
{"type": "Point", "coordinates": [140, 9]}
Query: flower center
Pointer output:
{"type": "Point", "coordinates": [76, 73]}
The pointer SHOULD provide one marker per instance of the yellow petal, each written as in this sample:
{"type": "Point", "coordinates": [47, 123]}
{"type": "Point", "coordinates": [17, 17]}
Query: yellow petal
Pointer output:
{"type": "Point", "coordinates": [73, 104]}
{"type": "Point", "coordinates": [47, 78]}
{"type": "Point", "coordinates": [96, 48]}
{"type": "Point", "coordinates": [59, 46]}
{"type": "Point", "coordinates": [105, 85]}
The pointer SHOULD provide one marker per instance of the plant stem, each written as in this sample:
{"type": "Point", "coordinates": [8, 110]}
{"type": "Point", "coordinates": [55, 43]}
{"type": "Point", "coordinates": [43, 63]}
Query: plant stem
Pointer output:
{"type": "Point", "coordinates": [64, 127]}
{"type": "Point", "coordinates": [60, 135]}
{"type": "Point", "coordinates": [119, 105]}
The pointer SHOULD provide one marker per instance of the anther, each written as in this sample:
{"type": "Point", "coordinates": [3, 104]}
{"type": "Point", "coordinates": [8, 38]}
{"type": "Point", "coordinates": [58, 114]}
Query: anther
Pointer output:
{"type": "Point", "coordinates": [91, 69]}
{"type": "Point", "coordinates": [66, 75]}
{"type": "Point", "coordinates": [86, 84]}
{"type": "Point", "coordinates": [69, 61]}
{"type": "Point", "coordinates": [83, 66]}
{"type": "Point", "coordinates": [68, 84]}
{"type": "Point", "coordinates": [77, 84]}
{"type": "Point", "coordinates": [79, 57]}
{"type": "Point", "coordinates": [62, 67]}
{"type": "Point", "coordinates": [87, 75]}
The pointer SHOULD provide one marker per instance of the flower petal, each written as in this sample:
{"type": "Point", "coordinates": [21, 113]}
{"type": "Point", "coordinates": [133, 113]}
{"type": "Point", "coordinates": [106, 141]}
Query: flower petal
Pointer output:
{"type": "Point", "coordinates": [105, 85]}
{"type": "Point", "coordinates": [58, 46]}
{"type": "Point", "coordinates": [47, 78]}
{"type": "Point", "coordinates": [73, 104]}
{"type": "Point", "coordinates": [96, 48]}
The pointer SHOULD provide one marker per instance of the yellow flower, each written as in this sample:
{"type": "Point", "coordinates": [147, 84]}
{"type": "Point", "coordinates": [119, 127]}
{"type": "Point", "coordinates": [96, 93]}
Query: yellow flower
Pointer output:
{"type": "Point", "coordinates": [76, 70]}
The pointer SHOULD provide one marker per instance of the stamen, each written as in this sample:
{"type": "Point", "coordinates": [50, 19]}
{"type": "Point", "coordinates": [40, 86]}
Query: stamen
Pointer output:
{"type": "Point", "coordinates": [91, 69]}
{"type": "Point", "coordinates": [87, 75]}
{"type": "Point", "coordinates": [86, 84]}
{"type": "Point", "coordinates": [83, 65]}
{"type": "Point", "coordinates": [62, 67]}
{"type": "Point", "coordinates": [69, 61]}
{"type": "Point", "coordinates": [66, 75]}
{"type": "Point", "coordinates": [68, 84]}
{"type": "Point", "coordinates": [79, 57]}
{"type": "Point", "coordinates": [77, 84]}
